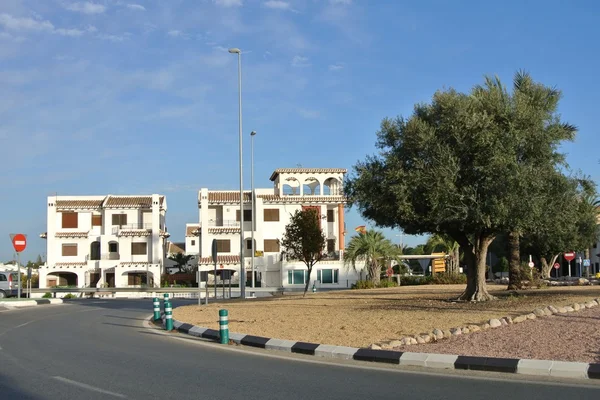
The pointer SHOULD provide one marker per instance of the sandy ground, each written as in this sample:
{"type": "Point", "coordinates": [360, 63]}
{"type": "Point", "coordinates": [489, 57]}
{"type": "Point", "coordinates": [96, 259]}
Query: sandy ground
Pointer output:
{"type": "Point", "coordinates": [563, 337]}
{"type": "Point", "coordinates": [359, 318]}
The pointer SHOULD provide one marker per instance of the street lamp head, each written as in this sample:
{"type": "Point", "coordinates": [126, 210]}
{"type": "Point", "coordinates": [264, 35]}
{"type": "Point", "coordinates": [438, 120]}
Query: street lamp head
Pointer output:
{"type": "Point", "coordinates": [252, 133]}
{"type": "Point", "coordinates": [235, 50]}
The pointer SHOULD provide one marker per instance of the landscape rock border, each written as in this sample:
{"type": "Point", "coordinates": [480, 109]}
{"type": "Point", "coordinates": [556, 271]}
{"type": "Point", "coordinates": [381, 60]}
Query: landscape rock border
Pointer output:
{"type": "Point", "coordinates": [562, 369]}
{"type": "Point", "coordinates": [439, 334]}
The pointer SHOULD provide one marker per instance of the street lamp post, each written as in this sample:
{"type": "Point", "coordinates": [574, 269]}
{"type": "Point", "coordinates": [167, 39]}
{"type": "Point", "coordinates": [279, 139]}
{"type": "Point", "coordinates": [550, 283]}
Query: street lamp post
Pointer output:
{"type": "Point", "coordinates": [242, 266]}
{"type": "Point", "coordinates": [252, 134]}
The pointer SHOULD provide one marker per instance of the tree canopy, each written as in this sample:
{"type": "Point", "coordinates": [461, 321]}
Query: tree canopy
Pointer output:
{"type": "Point", "coordinates": [304, 240]}
{"type": "Point", "coordinates": [456, 167]}
{"type": "Point", "coordinates": [372, 250]}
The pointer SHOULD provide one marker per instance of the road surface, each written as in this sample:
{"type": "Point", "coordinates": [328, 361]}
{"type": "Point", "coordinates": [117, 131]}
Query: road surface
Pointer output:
{"type": "Point", "coordinates": [104, 349]}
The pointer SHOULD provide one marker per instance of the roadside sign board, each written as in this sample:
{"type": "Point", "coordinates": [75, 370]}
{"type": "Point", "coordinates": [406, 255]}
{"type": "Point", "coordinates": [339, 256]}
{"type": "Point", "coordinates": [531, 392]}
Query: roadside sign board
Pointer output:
{"type": "Point", "coordinates": [389, 272]}
{"type": "Point", "coordinates": [587, 262]}
{"type": "Point", "coordinates": [19, 242]}
{"type": "Point", "coordinates": [556, 265]}
{"type": "Point", "coordinates": [259, 253]}
{"type": "Point", "coordinates": [531, 264]}
{"type": "Point", "coordinates": [569, 256]}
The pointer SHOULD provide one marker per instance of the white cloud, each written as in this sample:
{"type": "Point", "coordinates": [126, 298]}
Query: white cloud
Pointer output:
{"type": "Point", "coordinates": [335, 67]}
{"type": "Point", "coordinates": [137, 7]}
{"type": "Point", "coordinates": [277, 5]}
{"type": "Point", "coordinates": [24, 24]}
{"type": "Point", "coordinates": [69, 32]}
{"type": "Point", "coordinates": [299, 61]}
{"type": "Point", "coordinates": [229, 3]}
{"type": "Point", "coordinates": [175, 33]}
{"type": "Point", "coordinates": [309, 114]}
{"type": "Point", "coordinates": [342, 2]}
{"type": "Point", "coordinates": [91, 29]}
{"type": "Point", "coordinates": [86, 7]}
{"type": "Point", "coordinates": [111, 38]}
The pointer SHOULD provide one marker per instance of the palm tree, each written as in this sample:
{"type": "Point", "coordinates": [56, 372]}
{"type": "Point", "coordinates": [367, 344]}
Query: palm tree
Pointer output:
{"type": "Point", "coordinates": [181, 260]}
{"type": "Point", "coordinates": [444, 243]}
{"type": "Point", "coordinates": [372, 249]}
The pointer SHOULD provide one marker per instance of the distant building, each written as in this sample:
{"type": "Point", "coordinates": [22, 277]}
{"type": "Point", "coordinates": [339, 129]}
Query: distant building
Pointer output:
{"type": "Point", "coordinates": [293, 189]}
{"type": "Point", "coordinates": [104, 241]}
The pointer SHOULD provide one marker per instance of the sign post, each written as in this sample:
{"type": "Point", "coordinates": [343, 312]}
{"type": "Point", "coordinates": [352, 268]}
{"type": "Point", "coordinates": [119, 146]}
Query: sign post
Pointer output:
{"type": "Point", "coordinates": [569, 256]}
{"type": "Point", "coordinates": [556, 267]}
{"type": "Point", "coordinates": [587, 263]}
{"type": "Point", "coordinates": [19, 242]}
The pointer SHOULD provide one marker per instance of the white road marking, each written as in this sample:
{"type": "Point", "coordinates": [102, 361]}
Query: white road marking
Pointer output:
{"type": "Point", "coordinates": [88, 387]}
{"type": "Point", "coordinates": [22, 325]}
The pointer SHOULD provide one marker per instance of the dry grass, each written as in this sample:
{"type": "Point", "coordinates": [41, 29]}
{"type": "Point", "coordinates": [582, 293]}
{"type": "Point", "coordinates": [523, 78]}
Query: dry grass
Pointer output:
{"type": "Point", "coordinates": [360, 317]}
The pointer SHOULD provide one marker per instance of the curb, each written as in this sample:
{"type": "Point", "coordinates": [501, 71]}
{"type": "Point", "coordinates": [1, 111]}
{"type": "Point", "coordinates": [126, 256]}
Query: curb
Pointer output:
{"type": "Point", "coordinates": [30, 303]}
{"type": "Point", "coordinates": [549, 368]}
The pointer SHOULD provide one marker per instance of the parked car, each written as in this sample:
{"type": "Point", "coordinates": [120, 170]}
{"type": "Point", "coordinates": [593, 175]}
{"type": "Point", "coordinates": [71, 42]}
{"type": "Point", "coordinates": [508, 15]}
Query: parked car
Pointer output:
{"type": "Point", "coordinates": [8, 284]}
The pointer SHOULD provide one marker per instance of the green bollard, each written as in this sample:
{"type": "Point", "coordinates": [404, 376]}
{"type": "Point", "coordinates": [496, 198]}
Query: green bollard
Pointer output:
{"type": "Point", "coordinates": [168, 316]}
{"type": "Point", "coordinates": [156, 304]}
{"type": "Point", "coordinates": [165, 297]}
{"type": "Point", "coordinates": [224, 326]}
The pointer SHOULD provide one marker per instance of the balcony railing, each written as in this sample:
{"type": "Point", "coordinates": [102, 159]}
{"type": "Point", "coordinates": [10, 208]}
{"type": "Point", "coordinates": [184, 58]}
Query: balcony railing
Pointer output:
{"type": "Point", "coordinates": [223, 222]}
{"type": "Point", "coordinates": [111, 256]}
{"type": "Point", "coordinates": [125, 227]}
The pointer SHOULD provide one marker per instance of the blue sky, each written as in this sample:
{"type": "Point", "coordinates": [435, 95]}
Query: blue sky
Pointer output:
{"type": "Point", "coordinates": [140, 97]}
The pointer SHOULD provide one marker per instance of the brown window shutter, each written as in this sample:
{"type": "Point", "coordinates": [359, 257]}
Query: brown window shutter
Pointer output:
{"type": "Point", "coordinates": [69, 220]}
{"type": "Point", "coordinates": [96, 220]}
{"type": "Point", "coordinates": [138, 249]}
{"type": "Point", "coordinates": [69, 250]}
{"type": "Point", "coordinates": [330, 245]}
{"type": "Point", "coordinates": [271, 214]}
{"type": "Point", "coordinates": [330, 216]}
{"type": "Point", "coordinates": [237, 215]}
{"type": "Point", "coordinates": [223, 245]}
{"type": "Point", "coordinates": [271, 246]}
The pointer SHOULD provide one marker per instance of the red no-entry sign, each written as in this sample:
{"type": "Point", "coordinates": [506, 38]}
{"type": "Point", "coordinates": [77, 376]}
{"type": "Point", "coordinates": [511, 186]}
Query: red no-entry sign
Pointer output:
{"type": "Point", "coordinates": [556, 265]}
{"type": "Point", "coordinates": [570, 256]}
{"type": "Point", "coordinates": [19, 242]}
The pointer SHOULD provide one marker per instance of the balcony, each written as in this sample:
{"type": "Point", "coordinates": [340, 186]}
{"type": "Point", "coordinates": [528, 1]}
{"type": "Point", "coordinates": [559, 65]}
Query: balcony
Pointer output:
{"type": "Point", "coordinates": [224, 222]}
{"type": "Point", "coordinates": [331, 256]}
{"type": "Point", "coordinates": [110, 256]}
{"type": "Point", "coordinates": [131, 227]}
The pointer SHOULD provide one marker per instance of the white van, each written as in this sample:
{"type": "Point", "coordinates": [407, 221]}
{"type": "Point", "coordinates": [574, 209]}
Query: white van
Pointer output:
{"type": "Point", "coordinates": [8, 284]}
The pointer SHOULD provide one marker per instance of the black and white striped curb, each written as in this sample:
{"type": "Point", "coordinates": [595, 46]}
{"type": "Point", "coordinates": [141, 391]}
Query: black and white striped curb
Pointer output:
{"type": "Point", "coordinates": [551, 368]}
{"type": "Point", "coordinates": [29, 303]}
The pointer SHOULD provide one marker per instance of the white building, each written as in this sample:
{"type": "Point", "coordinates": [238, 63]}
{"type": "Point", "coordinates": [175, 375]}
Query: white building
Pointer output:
{"type": "Point", "coordinates": [104, 241]}
{"type": "Point", "coordinates": [293, 189]}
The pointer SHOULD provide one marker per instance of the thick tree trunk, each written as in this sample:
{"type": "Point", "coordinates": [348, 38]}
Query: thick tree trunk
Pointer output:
{"type": "Point", "coordinates": [454, 261]}
{"type": "Point", "coordinates": [475, 259]}
{"type": "Point", "coordinates": [587, 257]}
{"type": "Point", "coordinates": [375, 273]}
{"type": "Point", "coordinates": [514, 261]}
{"type": "Point", "coordinates": [545, 268]}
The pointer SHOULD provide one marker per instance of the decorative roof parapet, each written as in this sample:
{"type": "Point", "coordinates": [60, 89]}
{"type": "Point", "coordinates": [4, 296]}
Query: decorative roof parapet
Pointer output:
{"type": "Point", "coordinates": [307, 171]}
{"type": "Point", "coordinates": [71, 234]}
{"type": "Point", "coordinates": [230, 259]}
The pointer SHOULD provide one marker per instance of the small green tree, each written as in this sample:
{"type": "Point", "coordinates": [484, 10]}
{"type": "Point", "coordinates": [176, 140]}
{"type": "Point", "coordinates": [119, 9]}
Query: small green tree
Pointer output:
{"type": "Point", "coordinates": [304, 240]}
{"type": "Point", "coordinates": [373, 249]}
{"type": "Point", "coordinates": [181, 260]}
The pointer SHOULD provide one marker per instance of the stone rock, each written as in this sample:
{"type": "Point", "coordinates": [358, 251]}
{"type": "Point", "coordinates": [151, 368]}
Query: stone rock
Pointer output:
{"type": "Point", "coordinates": [413, 341]}
{"type": "Point", "coordinates": [576, 307]}
{"type": "Point", "coordinates": [465, 331]}
{"type": "Point", "coordinates": [447, 334]}
{"type": "Point", "coordinates": [438, 333]}
{"type": "Point", "coordinates": [503, 322]}
{"type": "Point", "coordinates": [420, 340]}
{"type": "Point", "coordinates": [569, 309]}
{"type": "Point", "coordinates": [508, 320]}
{"type": "Point", "coordinates": [583, 281]}
{"type": "Point", "coordinates": [548, 311]}
{"type": "Point", "coordinates": [494, 323]}
{"type": "Point", "coordinates": [386, 346]}
{"type": "Point", "coordinates": [485, 326]}
{"type": "Point", "coordinates": [594, 303]}
{"type": "Point", "coordinates": [553, 309]}
{"type": "Point", "coordinates": [473, 328]}
{"type": "Point", "coordinates": [538, 312]}
{"type": "Point", "coordinates": [590, 304]}
{"type": "Point", "coordinates": [375, 347]}
{"type": "Point", "coordinates": [396, 343]}
{"type": "Point", "coordinates": [426, 337]}
{"type": "Point", "coordinates": [531, 316]}
{"type": "Point", "coordinates": [456, 331]}
{"type": "Point", "coordinates": [562, 310]}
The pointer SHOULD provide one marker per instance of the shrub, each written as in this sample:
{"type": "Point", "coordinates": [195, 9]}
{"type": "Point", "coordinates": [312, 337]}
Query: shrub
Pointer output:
{"type": "Point", "coordinates": [413, 280]}
{"type": "Point", "coordinates": [386, 283]}
{"type": "Point", "coordinates": [69, 296]}
{"type": "Point", "coordinates": [47, 295]}
{"type": "Point", "coordinates": [444, 278]}
{"type": "Point", "coordinates": [363, 285]}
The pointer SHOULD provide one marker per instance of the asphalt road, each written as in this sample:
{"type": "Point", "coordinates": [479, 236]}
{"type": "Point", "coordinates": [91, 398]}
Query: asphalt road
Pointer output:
{"type": "Point", "coordinates": [103, 349]}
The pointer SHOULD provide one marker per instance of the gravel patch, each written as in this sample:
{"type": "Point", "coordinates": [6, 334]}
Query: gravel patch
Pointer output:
{"type": "Point", "coordinates": [573, 336]}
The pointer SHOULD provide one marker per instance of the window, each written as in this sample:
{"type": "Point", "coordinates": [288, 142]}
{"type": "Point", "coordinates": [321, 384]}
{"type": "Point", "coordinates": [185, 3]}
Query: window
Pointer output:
{"type": "Point", "coordinates": [328, 275]}
{"type": "Point", "coordinates": [271, 214]}
{"type": "Point", "coordinates": [95, 251]}
{"type": "Point", "coordinates": [69, 250]}
{"type": "Point", "coordinates": [113, 247]}
{"type": "Point", "coordinates": [119, 219]}
{"type": "Point", "coordinates": [247, 215]}
{"type": "Point", "coordinates": [138, 249]}
{"type": "Point", "coordinates": [96, 220]}
{"type": "Point", "coordinates": [137, 278]}
{"type": "Point", "coordinates": [330, 216]}
{"type": "Point", "coordinates": [223, 245]}
{"type": "Point", "coordinates": [330, 245]}
{"type": "Point", "coordinates": [271, 246]}
{"type": "Point", "coordinates": [69, 220]}
{"type": "Point", "coordinates": [2, 278]}
{"type": "Point", "coordinates": [249, 244]}
{"type": "Point", "coordinates": [193, 242]}
{"type": "Point", "coordinates": [297, 277]}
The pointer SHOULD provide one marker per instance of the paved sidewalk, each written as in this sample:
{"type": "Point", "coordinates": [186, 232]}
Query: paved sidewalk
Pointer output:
{"type": "Point", "coordinates": [28, 303]}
